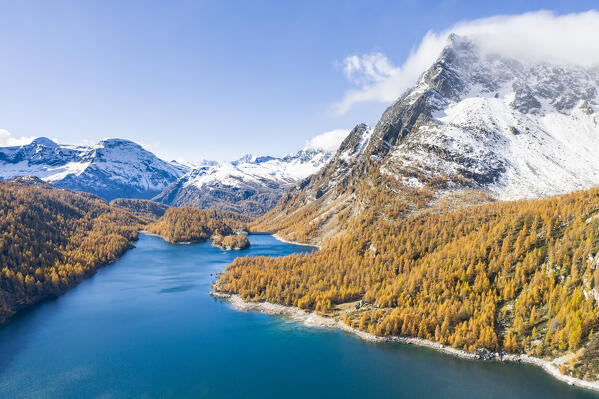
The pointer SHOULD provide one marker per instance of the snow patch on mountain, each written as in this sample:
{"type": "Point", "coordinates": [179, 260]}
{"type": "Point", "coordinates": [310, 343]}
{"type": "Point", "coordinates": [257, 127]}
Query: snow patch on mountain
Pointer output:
{"type": "Point", "coordinates": [350, 154]}
{"type": "Point", "coordinates": [518, 130]}
{"type": "Point", "coordinates": [269, 170]}
{"type": "Point", "coordinates": [252, 183]}
{"type": "Point", "coordinates": [111, 168]}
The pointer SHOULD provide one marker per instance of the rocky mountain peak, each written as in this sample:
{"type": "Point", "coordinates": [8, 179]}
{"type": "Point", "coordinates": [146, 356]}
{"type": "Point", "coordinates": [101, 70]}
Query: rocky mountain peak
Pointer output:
{"type": "Point", "coordinates": [446, 75]}
{"type": "Point", "coordinates": [476, 119]}
{"type": "Point", "coordinates": [353, 139]}
{"type": "Point", "coordinates": [112, 168]}
{"type": "Point", "coordinates": [118, 143]}
{"type": "Point", "coordinates": [44, 141]}
{"type": "Point", "coordinates": [250, 184]}
{"type": "Point", "coordinates": [501, 124]}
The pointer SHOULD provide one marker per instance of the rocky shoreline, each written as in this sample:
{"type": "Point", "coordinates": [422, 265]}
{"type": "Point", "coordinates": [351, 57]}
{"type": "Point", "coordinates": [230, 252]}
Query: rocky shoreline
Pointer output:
{"type": "Point", "coordinates": [234, 242]}
{"type": "Point", "coordinates": [311, 319]}
{"type": "Point", "coordinates": [149, 233]}
{"type": "Point", "coordinates": [279, 238]}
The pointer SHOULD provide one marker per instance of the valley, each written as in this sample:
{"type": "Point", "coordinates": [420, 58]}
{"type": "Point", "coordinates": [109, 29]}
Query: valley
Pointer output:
{"type": "Point", "coordinates": [146, 326]}
{"type": "Point", "coordinates": [465, 220]}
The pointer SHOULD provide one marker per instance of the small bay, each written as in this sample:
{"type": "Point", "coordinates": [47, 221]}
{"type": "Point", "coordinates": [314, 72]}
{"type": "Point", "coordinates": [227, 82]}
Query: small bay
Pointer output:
{"type": "Point", "coordinates": [145, 327]}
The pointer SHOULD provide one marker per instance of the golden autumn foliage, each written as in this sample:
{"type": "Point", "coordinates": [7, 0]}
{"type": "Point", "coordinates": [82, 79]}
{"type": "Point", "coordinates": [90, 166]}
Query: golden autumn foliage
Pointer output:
{"type": "Point", "coordinates": [186, 224]}
{"type": "Point", "coordinates": [231, 242]}
{"type": "Point", "coordinates": [517, 276]}
{"type": "Point", "coordinates": [50, 239]}
{"type": "Point", "coordinates": [299, 216]}
{"type": "Point", "coordinates": [147, 210]}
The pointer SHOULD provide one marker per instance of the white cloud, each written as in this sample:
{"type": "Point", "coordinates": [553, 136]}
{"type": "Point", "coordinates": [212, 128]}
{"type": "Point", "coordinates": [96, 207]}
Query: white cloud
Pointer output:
{"type": "Point", "coordinates": [367, 68]}
{"type": "Point", "coordinates": [328, 141]}
{"type": "Point", "coordinates": [6, 140]}
{"type": "Point", "coordinates": [535, 36]}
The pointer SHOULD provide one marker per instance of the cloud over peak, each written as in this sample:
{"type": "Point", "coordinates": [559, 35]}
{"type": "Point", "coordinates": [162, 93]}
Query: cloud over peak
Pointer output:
{"type": "Point", "coordinates": [538, 36]}
{"type": "Point", "coordinates": [327, 141]}
{"type": "Point", "coordinates": [367, 68]}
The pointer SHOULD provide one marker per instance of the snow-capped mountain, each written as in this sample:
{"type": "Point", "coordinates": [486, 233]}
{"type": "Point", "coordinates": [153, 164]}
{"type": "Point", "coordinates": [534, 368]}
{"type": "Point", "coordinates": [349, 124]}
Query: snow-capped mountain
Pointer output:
{"type": "Point", "coordinates": [110, 169]}
{"type": "Point", "coordinates": [511, 128]}
{"type": "Point", "coordinates": [250, 184]}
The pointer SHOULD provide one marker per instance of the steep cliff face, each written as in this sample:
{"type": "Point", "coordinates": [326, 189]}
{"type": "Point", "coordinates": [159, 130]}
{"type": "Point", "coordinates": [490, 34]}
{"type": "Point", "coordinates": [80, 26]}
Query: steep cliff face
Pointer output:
{"type": "Point", "coordinates": [473, 120]}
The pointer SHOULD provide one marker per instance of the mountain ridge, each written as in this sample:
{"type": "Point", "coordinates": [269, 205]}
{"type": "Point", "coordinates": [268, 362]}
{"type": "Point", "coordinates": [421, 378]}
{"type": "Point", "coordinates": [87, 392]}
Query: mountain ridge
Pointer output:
{"type": "Point", "coordinates": [473, 121]}
{"type": "Point", "coordinates": [111, 168]}
{"type": "Point", "coordinates": [250, 184]}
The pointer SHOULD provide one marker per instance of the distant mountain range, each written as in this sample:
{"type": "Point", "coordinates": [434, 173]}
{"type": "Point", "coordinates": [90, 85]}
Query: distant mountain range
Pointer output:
{"type": "Point", "coordinates": [251, 184]}
{"type": "Point", "coordinates": [116, 168]}
{"type": "Point", "coordinates": [111, 169]}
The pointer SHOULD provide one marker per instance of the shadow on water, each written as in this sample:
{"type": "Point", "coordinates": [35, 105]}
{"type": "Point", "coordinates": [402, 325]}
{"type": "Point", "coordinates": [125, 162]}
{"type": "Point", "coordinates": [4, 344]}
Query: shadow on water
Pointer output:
{"type": "Point", "coordinates": [179, 288]}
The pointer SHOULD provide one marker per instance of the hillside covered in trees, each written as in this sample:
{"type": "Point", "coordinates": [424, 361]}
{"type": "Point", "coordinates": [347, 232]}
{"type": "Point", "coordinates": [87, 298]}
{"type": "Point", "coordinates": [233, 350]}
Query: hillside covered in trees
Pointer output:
{"type": "Point", "coordinates": [516, 276]}
{"type": "Point", "coordinates": [51, 239]}
{"type": "Point", "coordinates": [186, 224]}
{"type": "Point", "coordinates": [147, 210]}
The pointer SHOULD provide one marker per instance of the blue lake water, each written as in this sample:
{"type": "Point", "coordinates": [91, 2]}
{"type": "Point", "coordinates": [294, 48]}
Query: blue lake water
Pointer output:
{"type": "Point", "coordinates": [145, 327]}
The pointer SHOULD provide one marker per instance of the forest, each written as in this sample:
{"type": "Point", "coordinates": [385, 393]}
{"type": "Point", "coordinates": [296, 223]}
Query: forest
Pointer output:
{"type": "Point", "coordinates": [148, 211]}
{"type": "Point", "coordinates": [519, 276]}
{"type": "Point", "coordinates": [51, 239]}
{"type": "Point", "coordinates": [186, 224]}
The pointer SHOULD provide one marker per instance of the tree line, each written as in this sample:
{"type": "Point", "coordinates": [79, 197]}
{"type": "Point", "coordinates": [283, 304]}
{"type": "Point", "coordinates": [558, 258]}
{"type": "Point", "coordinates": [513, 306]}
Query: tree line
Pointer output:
{"type": "Point", "coordinates": [50, 239]}
{"type": "Point", "coordinates": [516, 276]}
{"type": "Point", "coordinates": [186, 224]}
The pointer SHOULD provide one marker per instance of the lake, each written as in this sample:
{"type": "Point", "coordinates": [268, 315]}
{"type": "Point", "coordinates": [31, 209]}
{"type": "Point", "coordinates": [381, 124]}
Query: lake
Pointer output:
{"type": "Point", "coordinates": [145, 327]}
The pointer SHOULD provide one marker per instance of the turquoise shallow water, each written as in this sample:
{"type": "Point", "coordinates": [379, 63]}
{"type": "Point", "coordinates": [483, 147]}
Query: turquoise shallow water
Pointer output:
{"type": "Point", "coordinates": [145, 327]}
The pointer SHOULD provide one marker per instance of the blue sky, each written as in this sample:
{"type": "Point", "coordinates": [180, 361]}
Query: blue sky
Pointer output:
{"type": "Point", "coordinates": [215, 80]}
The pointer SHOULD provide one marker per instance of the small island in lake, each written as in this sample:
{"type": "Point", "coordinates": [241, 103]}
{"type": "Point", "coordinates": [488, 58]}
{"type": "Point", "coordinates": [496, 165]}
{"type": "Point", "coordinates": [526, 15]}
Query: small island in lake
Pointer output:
{"type": "Point", "coordinates": [187, 225]}
{"type": "Point", "coordinates": [231, 242]}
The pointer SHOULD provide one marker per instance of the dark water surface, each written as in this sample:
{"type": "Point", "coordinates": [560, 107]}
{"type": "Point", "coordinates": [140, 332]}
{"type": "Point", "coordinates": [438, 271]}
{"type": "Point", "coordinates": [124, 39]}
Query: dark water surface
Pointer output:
{"type": "Point", "coordinates": [145, 327]}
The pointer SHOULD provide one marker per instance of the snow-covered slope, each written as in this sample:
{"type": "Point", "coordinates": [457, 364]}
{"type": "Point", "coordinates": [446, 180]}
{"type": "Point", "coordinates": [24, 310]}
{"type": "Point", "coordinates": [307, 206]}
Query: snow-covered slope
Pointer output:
{"type": "Point", "coordinates": [250, 184]}
{"type": "Point", "coordinates": [514, 129]}
{"type": "Point", "coordinates": [110, 169]}
{"type": "Point", "coordinates": [473, 120]}
{"type": "Point", "coordinates": [116, 168]}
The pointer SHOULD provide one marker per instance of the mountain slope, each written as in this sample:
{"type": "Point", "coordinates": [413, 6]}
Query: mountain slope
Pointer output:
{"type": "Point", "coordinates": [473, 121]}
{"type": "Point", "coordinates": [250, 185]}
{"type": "Point", "coordinates": [510, 276]}
{"type": "Point", "coordinates": [110, 169]}
{"type": "Point", "coordinates": [52, 239]}
{"type": "Point", "coordinates": [408, 250]}
{"type": "Point", "coordinates": [514, 129]}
